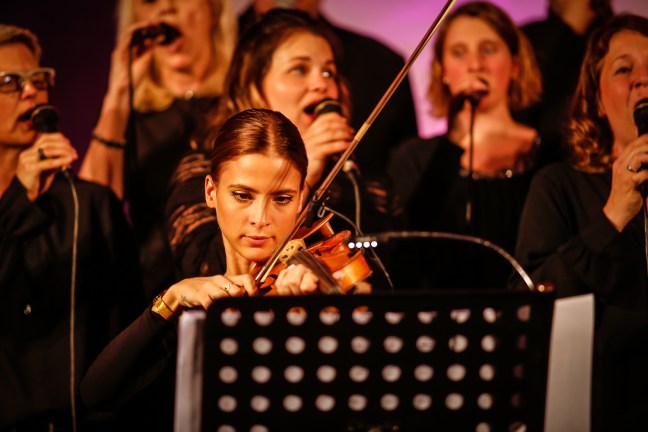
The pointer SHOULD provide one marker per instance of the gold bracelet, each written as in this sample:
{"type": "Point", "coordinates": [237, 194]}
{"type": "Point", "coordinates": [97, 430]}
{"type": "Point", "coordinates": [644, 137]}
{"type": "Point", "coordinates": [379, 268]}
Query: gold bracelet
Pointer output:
{"type": "Point", "coordinates": [108, 143]}
{"type": "Point", "coordinates": [162, 309]}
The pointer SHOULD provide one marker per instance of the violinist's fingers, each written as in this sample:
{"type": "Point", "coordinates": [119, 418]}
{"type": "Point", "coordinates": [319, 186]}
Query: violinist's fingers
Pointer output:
{"type": "Point", "coordinates": [289, 280]}
{"type": "Point", "coordinates": [309, 283]}
{"type": "Point", "coordinates": [363, 287]}
{"type": "Point", "coordinates": [245, 283]}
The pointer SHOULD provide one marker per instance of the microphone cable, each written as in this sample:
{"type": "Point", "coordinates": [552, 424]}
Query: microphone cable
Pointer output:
{"type": "Point", "coordinates": [45, 120]}
{"type": "Point", "coordinates": [73, 275]}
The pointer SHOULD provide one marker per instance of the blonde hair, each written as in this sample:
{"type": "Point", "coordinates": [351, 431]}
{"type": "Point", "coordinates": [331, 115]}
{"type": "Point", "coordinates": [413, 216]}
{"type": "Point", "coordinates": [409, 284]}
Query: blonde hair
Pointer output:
{"type": "Point", "coordinates": [151, 95]}
{"type": "Point", "coordinates": [524, 90]}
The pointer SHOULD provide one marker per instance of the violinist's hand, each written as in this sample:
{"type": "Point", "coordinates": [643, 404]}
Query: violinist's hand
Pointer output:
{"type": "Point", "coordinates": [202, 291]}
{"type": "Point", "coordinates": [328, 135]}
{"type": "Point", "coordinates": [37, 174]}
{"type": "Point", "coordinates": [296, 279]}
{"type": "Point", "coordinates": [625, 199]}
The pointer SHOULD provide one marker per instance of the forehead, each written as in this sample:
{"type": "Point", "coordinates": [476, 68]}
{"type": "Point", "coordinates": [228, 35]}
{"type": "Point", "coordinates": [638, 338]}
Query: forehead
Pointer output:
{"type": "Point", "coordinates": [16, 57]}
{"type": "Point", "coordinates": [303, 44]}
{"type": "Point", "coordinates": [466, 29]}
{"type": "Point", "coordinates": [260, 171]}
{"type": "Point", "coordinates": [626, 43]}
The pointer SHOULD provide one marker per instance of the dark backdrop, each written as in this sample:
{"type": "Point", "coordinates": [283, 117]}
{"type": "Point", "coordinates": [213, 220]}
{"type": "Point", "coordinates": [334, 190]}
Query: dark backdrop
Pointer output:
{"type": "Point", "coordinates": [77, 38]}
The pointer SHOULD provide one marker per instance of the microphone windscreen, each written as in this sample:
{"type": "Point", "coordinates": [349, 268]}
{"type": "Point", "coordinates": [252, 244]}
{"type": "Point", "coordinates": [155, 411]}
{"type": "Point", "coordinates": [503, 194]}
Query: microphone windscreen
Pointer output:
{"type": "Point", "coordinates": [327, 106]}
{"type": "Point", "coordinates": [641, 116]}
{"type": "Point", "coordinates": [45, 118]}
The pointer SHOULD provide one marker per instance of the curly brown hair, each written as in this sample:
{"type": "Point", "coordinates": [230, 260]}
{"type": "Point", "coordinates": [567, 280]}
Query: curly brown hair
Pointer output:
{"type": "Point", "coordinates": [589, 136]}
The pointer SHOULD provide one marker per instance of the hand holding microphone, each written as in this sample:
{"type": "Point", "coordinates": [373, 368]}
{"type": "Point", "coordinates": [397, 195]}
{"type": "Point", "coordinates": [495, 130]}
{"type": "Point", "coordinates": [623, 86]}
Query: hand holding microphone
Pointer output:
{"type": "Point", "coordinates": [326, 137]}
{"type": "Point", "coordinates": [44, 119]}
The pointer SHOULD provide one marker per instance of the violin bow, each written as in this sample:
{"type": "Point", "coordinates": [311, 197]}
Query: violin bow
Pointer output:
{"type": "Point", "coordinates": [326, 183]}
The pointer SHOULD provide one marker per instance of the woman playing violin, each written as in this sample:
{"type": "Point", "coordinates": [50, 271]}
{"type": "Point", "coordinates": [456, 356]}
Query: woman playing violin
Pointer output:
{"type": "Point", "coordinates": [256, 187]}
{"type": "Point", "coordinates": [285, 62]}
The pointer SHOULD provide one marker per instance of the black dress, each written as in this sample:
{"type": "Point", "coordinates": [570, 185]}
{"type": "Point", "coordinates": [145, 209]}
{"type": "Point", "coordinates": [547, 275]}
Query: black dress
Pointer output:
{"type": "Point", "coordinates": [431, 194]}
{"type": "Point", "coordinates": [36, 246]}
{"type": "Point", "coordinates": [565, 239]}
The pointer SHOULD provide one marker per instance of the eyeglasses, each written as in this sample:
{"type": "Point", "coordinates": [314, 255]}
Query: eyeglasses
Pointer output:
{"type": "Point", "coordinates": [41, 78]}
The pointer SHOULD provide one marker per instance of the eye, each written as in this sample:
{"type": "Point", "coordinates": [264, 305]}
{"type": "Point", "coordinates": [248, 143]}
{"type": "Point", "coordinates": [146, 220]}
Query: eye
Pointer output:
{"type": "Point", "coordinates": [298, 70]}
{"type": "Point", "coordinates": [622, 70]}
{"type": "Point", "coordinates": [488, 49]}
{"type": "Point", "coordinates": [283, 199]}
{"type": "Point", "coordinates": [457, 52]}
{"type": "Point", "coordinates": [241, 196]}
{"type": "Point", "coordinates": [329, 73]}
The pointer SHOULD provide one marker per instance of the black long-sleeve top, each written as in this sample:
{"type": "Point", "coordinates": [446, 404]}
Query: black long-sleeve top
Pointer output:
{"type": "Point", "coordinates": [565, 239]}
{"type": "Point", "coordinates": [36, 242]}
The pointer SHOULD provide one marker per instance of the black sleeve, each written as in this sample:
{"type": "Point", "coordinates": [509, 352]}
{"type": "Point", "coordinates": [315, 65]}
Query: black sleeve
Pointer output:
{"type": "Point", "coordinates": [556, 249]}
{"type": "Point", "coordinates": [130, 362]}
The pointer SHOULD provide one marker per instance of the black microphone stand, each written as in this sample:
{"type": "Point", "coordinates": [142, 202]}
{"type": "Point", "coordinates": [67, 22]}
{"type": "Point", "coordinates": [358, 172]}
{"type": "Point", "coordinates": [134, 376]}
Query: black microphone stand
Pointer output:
{"type": "Point", "coordinates": [474, 101]}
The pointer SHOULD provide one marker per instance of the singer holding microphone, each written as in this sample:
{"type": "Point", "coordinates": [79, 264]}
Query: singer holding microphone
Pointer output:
{"type": "Point", "coordinates": [67, 269]}
{"type": "Point", "coordinates": [167, 70]}
{"type": "Point", "coordinates": [583, 227]}
{"type": "Point", "coordinates": [473, 179]}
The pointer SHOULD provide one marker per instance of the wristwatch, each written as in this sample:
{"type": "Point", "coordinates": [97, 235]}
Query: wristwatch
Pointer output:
{"type": "Point", "coordinates": [162, 309]}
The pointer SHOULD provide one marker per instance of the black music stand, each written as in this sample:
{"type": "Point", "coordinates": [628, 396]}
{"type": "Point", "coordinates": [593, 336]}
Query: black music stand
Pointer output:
{"type": "Point", "coordinates": [462, 360]}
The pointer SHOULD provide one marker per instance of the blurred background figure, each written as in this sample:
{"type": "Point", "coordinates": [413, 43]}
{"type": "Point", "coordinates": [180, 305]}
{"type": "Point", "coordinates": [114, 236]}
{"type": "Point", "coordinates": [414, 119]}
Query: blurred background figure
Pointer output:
{"type": "Point", "coordinates": [174, 81]}
{"type": "Point", "coordinates": [68, 273]}
{"type": "Point", "coordinates": [559, 44]}
{"type": "Point", "coordinates": [582, 229]}
{"type": "Point", "coordinates": [483, 68]}
{"type": "Point", "coordinates": [369, 67]}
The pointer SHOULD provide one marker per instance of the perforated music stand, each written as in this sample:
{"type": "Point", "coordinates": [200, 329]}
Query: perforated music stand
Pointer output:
{"type": "Point", "coordinates": [461, 360]}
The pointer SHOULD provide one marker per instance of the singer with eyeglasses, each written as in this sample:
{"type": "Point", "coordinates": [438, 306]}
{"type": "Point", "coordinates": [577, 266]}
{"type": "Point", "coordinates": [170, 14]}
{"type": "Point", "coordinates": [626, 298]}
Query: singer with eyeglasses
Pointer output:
{"type": "Point", "coordinates": [167, 70]}
{"type": "Point", "coordinates": [68, 273]}
{"type": "Point", "coordinates": [284, 62]}
{"type": "Point", "coordinates": [473, 179]}
{"type": "Point", "coordinates": [583, 228]}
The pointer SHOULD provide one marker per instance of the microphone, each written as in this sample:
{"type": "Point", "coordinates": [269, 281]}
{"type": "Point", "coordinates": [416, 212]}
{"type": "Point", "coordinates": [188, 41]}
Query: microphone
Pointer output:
{"type": "Point", "coordinates": [44, 119]}
{"type": "Point", "coordinates": [640, 116]}
{"type": "Point", "coordinates": [475, 97]}
{"type": "Point", "coordinates": [327, 105]}
{"type": "Point", "coordinates": [162, 33]}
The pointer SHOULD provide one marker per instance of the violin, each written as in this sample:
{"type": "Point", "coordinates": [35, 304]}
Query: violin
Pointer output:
{"type": "Point", "coordinates": [332, 253]}
{"type": "Point", "coordinates": [325, 257]}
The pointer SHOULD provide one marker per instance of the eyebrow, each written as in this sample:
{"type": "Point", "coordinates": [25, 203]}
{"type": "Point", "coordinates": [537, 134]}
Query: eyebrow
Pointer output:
{"type": "Point", "coordinates": [251, 189]}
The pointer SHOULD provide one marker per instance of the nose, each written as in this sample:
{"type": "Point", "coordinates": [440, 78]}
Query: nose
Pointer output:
{"type": "Point", "coordinates": [29, 90]}
{"type": "Point", "coordinates": [259, 213]}
{"type": "Point", "coordinates": [165, 7]}
{"type": "Point", "coordinates": [474, 61]}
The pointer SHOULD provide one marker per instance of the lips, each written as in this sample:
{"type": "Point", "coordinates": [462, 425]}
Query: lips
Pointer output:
{"type": "Point", "coordinates": [257, 241]}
